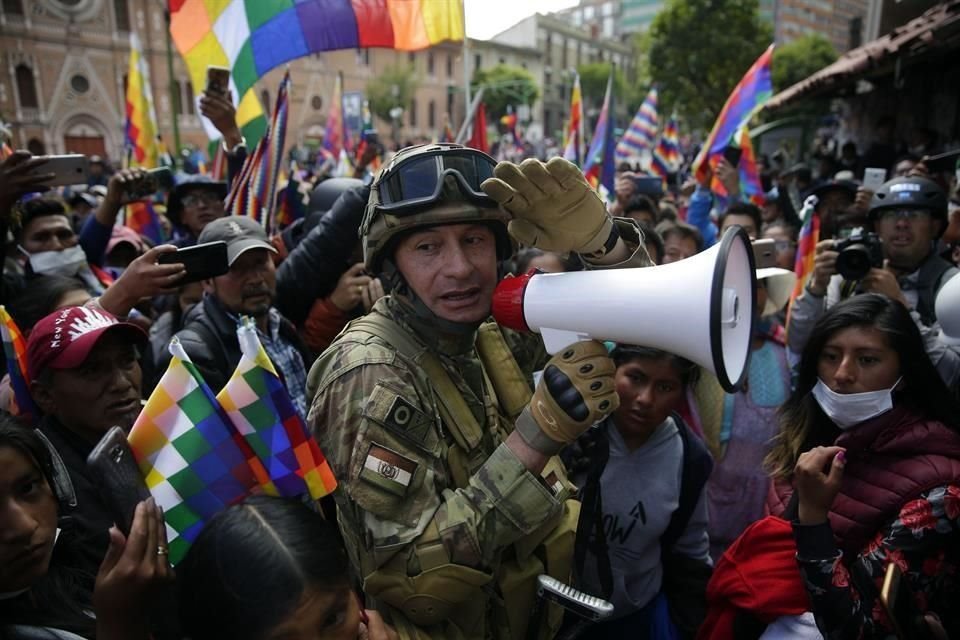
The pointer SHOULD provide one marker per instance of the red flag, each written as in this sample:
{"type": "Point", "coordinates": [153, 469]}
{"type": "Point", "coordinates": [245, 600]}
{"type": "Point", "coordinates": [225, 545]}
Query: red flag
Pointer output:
{"type": "Point", "coordinates": [478, 139]}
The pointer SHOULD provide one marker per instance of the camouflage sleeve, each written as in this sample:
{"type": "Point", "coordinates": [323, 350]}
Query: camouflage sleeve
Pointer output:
{"type": "Point", "coordinates": [631, 234]}
{"type": "Point", "coordinates": [385, 444]}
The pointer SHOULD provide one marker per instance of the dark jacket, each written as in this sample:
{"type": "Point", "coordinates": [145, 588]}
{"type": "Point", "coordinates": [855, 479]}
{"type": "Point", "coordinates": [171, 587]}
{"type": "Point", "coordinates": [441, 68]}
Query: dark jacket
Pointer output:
{"type": "Point", "coordinates": [91, 520]}
{"type": "Point", "coordinates": [891, 460]}
{"type": "Point", "coordinates": [312, 269]}
{"type": "Point", "coordinates": [209, 336]}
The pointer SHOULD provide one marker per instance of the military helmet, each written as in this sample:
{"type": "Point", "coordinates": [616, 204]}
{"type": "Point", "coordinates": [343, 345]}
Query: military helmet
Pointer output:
{"type": "Point", "coordinates": [428, 185]}
{"type": "Point", "coordinates": [910, 193]}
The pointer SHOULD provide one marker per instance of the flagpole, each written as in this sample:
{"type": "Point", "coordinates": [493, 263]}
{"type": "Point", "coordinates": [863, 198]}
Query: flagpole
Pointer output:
{"type": "Point", "coordinates": [466, 68]}
{"type": "Point", "coordinates": [471, 114]}
{"type": "Point", "coordinates": [172, 86]}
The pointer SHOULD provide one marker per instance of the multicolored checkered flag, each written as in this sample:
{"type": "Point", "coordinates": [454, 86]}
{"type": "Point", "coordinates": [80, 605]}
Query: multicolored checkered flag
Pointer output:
{"type": "Point", "coordinates": [192, 459]}
{"type": "Point", "coordinates": [642, 130]}
{"type": "Point", "coordinates": [15, 354]}
{"type": "Point", "coordinates": [260, 409]}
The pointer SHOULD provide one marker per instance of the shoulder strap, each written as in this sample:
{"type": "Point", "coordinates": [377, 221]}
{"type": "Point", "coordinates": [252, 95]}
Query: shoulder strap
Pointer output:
{"type": "Point", "coordinates": [590, 535]}
{"type": "Point", "coordinates": [453, 408]}
{"type": "Point", "coordinates": [697, 466]}
{"type": "Point", "coordinates": [509, 384]}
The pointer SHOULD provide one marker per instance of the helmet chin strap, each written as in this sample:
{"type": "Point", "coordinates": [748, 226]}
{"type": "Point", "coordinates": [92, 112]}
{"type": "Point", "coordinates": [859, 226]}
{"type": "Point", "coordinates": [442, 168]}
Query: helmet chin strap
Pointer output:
{"type": "Point", "coordinates": [403, 291]}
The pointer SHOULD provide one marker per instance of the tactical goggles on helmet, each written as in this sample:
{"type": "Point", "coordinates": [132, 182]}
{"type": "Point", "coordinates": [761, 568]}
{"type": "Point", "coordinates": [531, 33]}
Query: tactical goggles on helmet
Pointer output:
{"type": "Point", "coordinates": [418, 181]}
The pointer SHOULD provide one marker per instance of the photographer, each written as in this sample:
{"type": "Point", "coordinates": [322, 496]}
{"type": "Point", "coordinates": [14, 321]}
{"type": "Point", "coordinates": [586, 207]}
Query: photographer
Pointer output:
{"type": "Point", "coordinates": [899, 260]}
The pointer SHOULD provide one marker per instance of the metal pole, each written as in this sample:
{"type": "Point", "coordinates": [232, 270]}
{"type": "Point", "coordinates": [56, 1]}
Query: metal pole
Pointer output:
{"type": "Point", "coordinates": [174, 90]}
{"type": "Point", "coordinates": [466, 67]}
{"type": "Point", "coordinates": [468, 121]}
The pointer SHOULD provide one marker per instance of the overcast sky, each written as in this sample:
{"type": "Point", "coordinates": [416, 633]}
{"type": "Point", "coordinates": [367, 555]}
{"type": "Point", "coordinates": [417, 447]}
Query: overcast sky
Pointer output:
{"type": "Point", "coordinates": [487, 18]}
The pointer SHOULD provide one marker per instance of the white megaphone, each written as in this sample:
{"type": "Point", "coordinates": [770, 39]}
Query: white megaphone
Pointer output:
{"type": "Point", "coordinates": [947, 308]}
{"type": "Point", "coordinates": [701, 308]}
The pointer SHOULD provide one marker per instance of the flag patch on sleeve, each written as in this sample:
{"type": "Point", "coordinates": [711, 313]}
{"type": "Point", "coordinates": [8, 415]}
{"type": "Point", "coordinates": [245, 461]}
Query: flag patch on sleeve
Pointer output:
{"type": "Point", "coordinates": [388, 469]}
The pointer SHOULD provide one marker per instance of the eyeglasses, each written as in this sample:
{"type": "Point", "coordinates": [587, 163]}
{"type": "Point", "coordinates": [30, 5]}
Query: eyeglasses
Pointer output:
{"type": "Point", "coordinates": [783, 245]}
{"type": "Point", "coordinates": [197, 198]}
{"type": "Point", "coordinates": [904, 214]}
{"type": "Point", "coordinates": [419, 181]}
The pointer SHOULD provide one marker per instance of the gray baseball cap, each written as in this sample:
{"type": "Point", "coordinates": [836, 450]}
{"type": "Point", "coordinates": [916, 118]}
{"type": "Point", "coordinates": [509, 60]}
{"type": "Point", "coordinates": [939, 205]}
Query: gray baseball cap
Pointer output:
{"type": "Point", "coordinates": [239, 232]}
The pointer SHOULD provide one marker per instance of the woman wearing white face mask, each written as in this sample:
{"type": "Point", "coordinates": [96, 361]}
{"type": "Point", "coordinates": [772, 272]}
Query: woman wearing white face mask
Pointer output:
{"type": "Point", "coordinates": [866, 472]}
{"type": "Point", "coordinates": [870, 447]}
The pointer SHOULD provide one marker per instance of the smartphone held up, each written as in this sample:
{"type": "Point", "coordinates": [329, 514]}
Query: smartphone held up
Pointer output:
{"type": "Point", "coordinates": [67, 170]}
{"type": "Point", "coordinates": [218, 81]}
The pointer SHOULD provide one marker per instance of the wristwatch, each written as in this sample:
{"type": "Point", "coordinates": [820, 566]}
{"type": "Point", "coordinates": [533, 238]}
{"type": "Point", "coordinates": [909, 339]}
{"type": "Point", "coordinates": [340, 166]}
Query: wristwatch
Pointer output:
{"type": "Point", "coordinates": [233, 150]}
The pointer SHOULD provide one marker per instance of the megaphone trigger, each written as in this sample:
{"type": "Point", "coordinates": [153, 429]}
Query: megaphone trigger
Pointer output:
{"type": "Point", "coordinates": [701, 308]}
{"type": "Point", "coordinates": [730, 315]}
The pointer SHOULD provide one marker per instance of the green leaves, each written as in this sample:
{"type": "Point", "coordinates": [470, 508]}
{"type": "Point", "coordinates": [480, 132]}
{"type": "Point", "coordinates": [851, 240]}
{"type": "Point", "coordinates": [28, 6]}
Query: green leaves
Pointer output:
{"type": "Point", "coordinates": [700, 49]}
{"type": "Point", "coordinates": [801, 58]}
{"type": "Point", "coordinates": [395, 87]}
{"type": "Point", "coordinates": [505, 85]}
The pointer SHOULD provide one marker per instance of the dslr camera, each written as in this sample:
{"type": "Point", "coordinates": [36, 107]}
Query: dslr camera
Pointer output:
{"type": "Point", "coordinates": [859, 252]}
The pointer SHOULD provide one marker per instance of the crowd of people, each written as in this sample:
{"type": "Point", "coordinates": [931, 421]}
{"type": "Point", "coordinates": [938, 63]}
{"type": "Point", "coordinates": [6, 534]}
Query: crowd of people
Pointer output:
{"type": "Point", "coordinates": [469, 460]}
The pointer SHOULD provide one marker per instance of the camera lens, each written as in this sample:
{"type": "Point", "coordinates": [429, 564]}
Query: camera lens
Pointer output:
{"type": "Point", "coordinates": [854, 262]}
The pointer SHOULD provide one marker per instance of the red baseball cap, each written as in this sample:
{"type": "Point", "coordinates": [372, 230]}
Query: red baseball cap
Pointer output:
{"type": "Point", "coordinates": [64, 339]}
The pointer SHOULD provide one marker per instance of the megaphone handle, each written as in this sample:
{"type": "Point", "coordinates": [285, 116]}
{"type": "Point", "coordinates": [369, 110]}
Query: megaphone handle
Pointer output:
{"type": "Point", "coordinates": [556, 339]}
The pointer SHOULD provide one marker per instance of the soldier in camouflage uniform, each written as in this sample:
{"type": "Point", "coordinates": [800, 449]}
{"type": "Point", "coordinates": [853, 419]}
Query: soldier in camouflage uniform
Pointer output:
{"type": "Point", "coordinates": [450, 497]}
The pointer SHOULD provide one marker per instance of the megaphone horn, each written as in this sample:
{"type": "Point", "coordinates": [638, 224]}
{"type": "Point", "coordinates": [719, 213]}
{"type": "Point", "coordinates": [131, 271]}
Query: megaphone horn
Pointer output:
{"type": "Point", "coordinates": [701, 308]}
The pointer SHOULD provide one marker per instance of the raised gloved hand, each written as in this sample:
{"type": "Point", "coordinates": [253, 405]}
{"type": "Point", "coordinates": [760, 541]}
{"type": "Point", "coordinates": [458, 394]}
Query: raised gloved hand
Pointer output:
{"type": "Point", "coordinates": [553, 206]}
{"type": "Point", "coordinates": [576, 391]}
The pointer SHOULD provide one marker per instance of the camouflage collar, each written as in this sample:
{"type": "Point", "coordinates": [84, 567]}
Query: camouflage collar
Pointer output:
{"type": "Point", "coordinates": [441, 336]}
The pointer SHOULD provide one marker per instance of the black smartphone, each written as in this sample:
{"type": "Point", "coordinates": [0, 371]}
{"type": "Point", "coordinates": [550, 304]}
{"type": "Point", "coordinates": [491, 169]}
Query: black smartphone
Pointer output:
{"type": "Point", "coordinates": [651, 186]}
{"type": "Point", "coordinates": [118, 477]}
{"type": "Point", "coordinates": [202, 261]}
{"type": "Point", "coordinates": [149, 184]}
{"type": "Point", "coordinates": [732, 154]}
{"type": "Point", "coordinates": [946, 161]}
{"type": "Point", "coordinates": [218, 81]}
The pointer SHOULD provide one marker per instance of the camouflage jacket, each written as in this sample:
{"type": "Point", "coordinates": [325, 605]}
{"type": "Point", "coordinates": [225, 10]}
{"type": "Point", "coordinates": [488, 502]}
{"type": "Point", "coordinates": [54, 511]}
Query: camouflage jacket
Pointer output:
{"type": "Point", "coordinates": [429, 547]}
{"type": "Point", "coordinates": [379, 425]}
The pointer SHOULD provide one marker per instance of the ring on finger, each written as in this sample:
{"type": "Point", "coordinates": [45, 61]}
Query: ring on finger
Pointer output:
{"type": "Point", "coordinates": [162, 550]}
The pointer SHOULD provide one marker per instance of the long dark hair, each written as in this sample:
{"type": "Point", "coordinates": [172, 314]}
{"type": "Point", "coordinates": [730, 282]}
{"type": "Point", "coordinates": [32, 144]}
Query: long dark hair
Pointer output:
{"type": "Point", "coordinates": [62, 597]}
{"type": "Point", "coordinates": [804, 425]}
{"type": "Point", "coordinates": [250, 566]}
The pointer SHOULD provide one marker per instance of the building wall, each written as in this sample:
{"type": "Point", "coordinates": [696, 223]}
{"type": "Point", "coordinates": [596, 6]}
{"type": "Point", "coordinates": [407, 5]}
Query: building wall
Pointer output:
{"type": "Point", "coordinates": [617, 19]}
{"type": "Point", "coordinates": [842, 22]}
{"type": "Point", "coordinates": [78, 52]}
{"type": "Point", "coordinates": [565, 47]}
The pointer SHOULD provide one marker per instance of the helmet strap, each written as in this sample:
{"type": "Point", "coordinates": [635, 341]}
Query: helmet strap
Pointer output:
{"type": "Point", "coordinates": [422, 316]}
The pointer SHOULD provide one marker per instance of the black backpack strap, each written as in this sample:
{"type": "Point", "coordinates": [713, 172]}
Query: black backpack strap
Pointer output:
{"type": "Point", "coordinates": [697, 465]}
{"type": "Point", "coordinates": [590, 536]}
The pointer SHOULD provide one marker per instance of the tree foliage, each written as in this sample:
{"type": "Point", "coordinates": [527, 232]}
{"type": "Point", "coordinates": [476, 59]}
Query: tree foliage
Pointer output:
{"type": "Point", "coordinates": [505, 85]}
{"type": "Point", "coordinates": [801, 58]}
{"type": "Point", "coordinates": [394, 87]}
{"type": "Point", "coordinates": [699, 51]}
{"type": "Point", "coordinates": [593, 83]}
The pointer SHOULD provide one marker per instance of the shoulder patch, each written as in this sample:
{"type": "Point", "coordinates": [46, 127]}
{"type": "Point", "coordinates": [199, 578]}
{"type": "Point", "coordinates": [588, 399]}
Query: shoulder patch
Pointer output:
{"type": "Point", "coordinates": [401, 417]}
{"type": "Point", "coordinates": [388, 469]}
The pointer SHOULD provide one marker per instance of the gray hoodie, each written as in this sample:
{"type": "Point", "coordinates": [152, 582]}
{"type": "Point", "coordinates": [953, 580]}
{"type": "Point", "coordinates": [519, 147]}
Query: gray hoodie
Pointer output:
{"type": "Point", "coordinates": [641, 490]}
